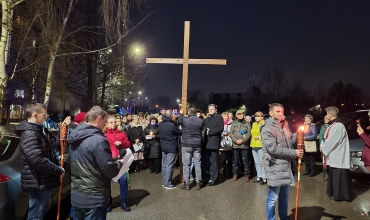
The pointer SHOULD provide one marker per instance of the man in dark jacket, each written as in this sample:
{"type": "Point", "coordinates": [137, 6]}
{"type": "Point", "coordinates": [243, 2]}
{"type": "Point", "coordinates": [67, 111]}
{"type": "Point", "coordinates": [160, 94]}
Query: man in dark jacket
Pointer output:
{"type": "Point", "coordinates": [40, 170]}
{"type": "Point", "coordinates": [92, 167]}
{"type": "Point", "coordinates": [168, 134]}
{"type": "Point", "coordinates": [191, 146]}
{"type": "Point", "coordinates": [213, 125]}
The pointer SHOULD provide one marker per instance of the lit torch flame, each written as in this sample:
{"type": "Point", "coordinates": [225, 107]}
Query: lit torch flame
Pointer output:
{"type": "Point", "coordinates": [301, 128]}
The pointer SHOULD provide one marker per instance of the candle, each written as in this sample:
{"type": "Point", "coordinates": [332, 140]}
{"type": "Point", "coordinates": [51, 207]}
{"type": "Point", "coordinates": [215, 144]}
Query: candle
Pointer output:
{"type": "Point", "coordinates": [151, 133]}
{"type": "Point", "coordinates": [300, 138]}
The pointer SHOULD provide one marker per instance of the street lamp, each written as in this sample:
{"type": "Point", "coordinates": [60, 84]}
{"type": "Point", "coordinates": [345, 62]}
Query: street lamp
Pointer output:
{"type": "Point", "coordinates": [142, 104]}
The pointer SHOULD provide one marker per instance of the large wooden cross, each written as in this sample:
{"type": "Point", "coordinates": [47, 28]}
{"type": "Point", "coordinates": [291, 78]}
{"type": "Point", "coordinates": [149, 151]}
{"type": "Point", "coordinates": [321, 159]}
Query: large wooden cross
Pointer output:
{"type": "Point", "coordinates": [185, 61]}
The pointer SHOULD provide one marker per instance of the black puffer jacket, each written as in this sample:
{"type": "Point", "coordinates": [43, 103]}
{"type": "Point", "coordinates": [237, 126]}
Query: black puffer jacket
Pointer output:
{"type": "Point", "coordinates": [215, 123]}
{"type": "Point", "coordinates": [169, 134]}
{"type": "Point", "coordinates": [40, 168]}
{"type": "Point", "coordinates": [154, 144]}
{"type": "Point", "coordinates": [92, 167]}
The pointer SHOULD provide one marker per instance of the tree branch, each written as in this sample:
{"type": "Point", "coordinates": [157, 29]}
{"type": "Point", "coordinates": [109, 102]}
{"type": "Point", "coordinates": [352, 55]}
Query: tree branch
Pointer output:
{"type": "Point", "coordinates": [105, 48]}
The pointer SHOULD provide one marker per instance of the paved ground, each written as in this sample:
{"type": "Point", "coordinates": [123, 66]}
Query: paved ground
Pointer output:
{"type": "Point", "coordinates": [233, 200]}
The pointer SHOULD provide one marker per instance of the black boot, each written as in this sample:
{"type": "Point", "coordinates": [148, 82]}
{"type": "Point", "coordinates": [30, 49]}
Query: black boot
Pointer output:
{"type": "Point", "coordinates": [151, 165]}
{"type": "Point", "coordinates": [157, 165]}
{"type": "Point", "coordinates": [124, 206]}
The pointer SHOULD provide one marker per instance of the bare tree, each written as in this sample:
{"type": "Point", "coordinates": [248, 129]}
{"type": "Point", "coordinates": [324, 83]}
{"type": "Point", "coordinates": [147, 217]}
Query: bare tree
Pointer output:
{"type": "Point", "coordinates": [300, 97]}
{"type": "Point", "coordinates": [274, 84]}
{"type": "Point", "coordinates": [320, 94]}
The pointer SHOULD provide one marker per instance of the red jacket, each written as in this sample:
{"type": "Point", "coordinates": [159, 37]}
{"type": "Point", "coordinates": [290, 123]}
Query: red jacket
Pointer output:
{"type": "Point", "coordinates": [366, 152]}
{"type": "Point", "coordinates": [114, 135]}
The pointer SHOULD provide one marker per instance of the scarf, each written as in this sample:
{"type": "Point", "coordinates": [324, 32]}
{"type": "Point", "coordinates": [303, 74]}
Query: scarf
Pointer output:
{"type": "Point", "coordinates": [227, 121]}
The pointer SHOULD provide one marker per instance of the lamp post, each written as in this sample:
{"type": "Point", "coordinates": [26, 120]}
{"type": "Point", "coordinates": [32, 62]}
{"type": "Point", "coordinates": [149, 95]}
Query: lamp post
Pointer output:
{"type": "Point", "coordinates": [142, 104]}
{"type": "Point", "coordinates": [178, 103]}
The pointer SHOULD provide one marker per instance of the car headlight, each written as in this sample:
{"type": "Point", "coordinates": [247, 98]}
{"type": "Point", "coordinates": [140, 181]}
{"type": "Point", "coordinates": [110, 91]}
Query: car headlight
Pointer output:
{"type": "Point", "coordinates": [356, 153]}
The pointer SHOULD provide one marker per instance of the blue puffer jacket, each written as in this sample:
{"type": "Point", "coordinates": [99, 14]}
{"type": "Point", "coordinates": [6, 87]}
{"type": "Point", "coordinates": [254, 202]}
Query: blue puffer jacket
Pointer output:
{"type": "Point", "coordinates": [311, 134]}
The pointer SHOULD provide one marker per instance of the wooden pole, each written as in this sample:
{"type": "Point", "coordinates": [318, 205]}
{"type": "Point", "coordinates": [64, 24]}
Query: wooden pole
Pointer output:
{"type": "Point", "coordinates": [300, 144]}
{"type": "Point", "coordinates": [63, 132]}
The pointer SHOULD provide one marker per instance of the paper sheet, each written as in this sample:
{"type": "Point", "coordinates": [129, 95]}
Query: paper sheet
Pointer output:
{"type": "Point", "coordinates": [128, 158]}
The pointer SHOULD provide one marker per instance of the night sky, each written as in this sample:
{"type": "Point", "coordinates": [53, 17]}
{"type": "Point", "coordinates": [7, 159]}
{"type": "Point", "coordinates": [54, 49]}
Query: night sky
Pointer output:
{"type": "Point", "coordinates": [314, 41]}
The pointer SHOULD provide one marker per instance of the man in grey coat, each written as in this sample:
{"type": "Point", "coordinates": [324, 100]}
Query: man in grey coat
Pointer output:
{"type": "Point", "coordinates": [277, 145]}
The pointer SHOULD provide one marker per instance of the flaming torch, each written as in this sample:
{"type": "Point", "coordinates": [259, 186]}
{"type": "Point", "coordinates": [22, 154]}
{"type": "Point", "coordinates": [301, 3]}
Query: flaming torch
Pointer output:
{"type": "Point", "coordinates": [300, 144]}
{"type": "Point", "coordinates": [63, 132]}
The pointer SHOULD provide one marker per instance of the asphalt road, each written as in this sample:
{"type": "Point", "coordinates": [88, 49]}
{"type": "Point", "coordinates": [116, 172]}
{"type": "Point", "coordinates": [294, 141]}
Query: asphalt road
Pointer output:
{"type": "Point", "coordinates": [64, 213]}
{"type": "Point", "coordinates": [229, 200]}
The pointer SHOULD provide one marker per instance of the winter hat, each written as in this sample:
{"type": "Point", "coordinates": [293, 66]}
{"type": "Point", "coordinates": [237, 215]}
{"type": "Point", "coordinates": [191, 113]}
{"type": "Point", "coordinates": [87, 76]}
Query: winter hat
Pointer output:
{"type": "Point", "coordinates": [80, 117]}
{"type": "Point", "coordinates": [240, 112]}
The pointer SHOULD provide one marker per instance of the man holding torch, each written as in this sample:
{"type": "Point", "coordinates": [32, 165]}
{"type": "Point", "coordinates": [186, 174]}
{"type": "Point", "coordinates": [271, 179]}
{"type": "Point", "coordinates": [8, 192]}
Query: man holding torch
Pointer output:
{"type": "Point", "coordinates": [279, 154]}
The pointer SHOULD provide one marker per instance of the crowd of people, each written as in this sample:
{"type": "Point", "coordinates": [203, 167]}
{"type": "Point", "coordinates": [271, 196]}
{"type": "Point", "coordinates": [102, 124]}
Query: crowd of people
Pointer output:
{"type": "Point", "coordinates": [98, 141]}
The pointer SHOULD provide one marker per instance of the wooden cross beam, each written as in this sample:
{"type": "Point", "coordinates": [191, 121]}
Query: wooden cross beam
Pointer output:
{"type": "Point", "coordinates": [185, 61]}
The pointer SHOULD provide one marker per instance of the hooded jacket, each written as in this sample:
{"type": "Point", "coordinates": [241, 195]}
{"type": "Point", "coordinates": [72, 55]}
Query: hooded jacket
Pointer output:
{"type": "Point", "coordinates": [92, 167]}
{"type": "Point", "coordinates": [169, 133]}
{"type": "Point", "coordinates": [40, 168]}
{"type": "Point", "coordinates": [279, 154]}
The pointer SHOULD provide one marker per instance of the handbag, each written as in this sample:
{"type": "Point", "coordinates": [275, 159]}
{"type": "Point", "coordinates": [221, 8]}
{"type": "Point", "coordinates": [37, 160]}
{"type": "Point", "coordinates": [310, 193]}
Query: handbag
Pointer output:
{"type": "Point", "coordinates": [226, 142]}
{"type": "Point", "coordinates": [310, 146]}
{"type": "Point", "coordinates": [138, 147]}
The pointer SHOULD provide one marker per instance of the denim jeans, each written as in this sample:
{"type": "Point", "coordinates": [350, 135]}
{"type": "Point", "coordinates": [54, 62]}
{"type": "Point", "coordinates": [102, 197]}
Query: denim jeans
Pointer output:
{"type": "Point", "coordinates": [257, 156]}
{"type": "Point", "coordinates": [189, 154]}
{"type": "Point", "coordinates": [281, 195]}
{"type": "Point", "coordinates": [123, 188]}
{"type": "Point", "coordinates": [168, 160]}
{"type": "Point", "coordinates": [99, 213]}
{"type": "Point", "coordinates": [213, 168]}
{"type": "Point", "coordinates": [38, 202]}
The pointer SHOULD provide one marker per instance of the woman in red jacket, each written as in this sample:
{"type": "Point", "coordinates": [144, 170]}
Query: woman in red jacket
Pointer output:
{"type": "Point", "coordinates": [117, 141]}
{"type": "Point", "coordinates": [363, 131]}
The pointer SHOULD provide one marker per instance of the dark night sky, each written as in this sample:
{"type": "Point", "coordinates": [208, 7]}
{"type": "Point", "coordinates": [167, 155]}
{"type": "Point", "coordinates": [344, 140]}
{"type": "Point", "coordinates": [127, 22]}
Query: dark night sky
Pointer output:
{"type": "Point", "coordinates": [314, 41]}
